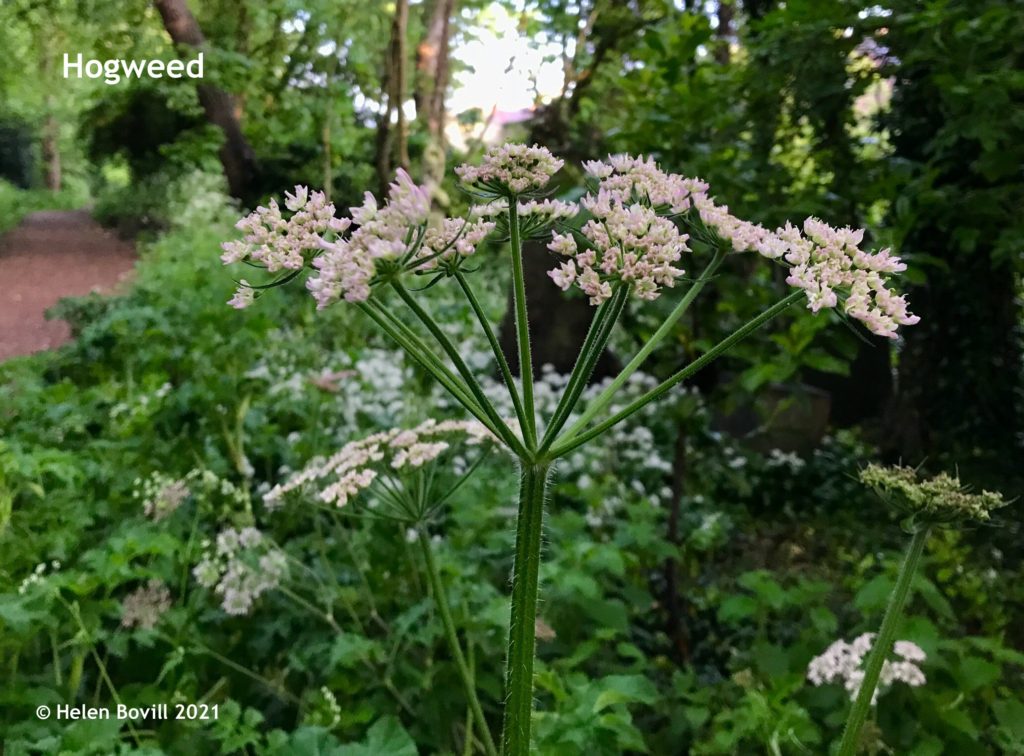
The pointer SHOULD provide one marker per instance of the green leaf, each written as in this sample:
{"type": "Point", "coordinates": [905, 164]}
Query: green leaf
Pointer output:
{"type": "Point", "coordinates": [874, 594]}
{"type": "Point", "coordinates": [350, 649]}
{"type": "Point", "coordinates": [625, 689]}
{"type": "Point", "coordinates": [737, 608]}
{"type": "Point", "coordinates": [386, 737]}
{"type": "Point", "coordinates": [1009, 713]}
{"type": "Point", "coordinates": [609, 613]}
{"type": "Point", "coordinates": [974, 672]}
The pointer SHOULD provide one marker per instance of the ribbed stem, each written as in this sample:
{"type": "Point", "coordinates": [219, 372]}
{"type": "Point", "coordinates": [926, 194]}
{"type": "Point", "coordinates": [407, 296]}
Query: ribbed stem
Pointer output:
{"type": "Point", "coordinates": [883, 644]}
{"type": "Point", "coordinates": [522, 627]}
{"type": "Point", "coordinates": [522, 324]}
{"type": "Point", "coordinates": [443, 608]}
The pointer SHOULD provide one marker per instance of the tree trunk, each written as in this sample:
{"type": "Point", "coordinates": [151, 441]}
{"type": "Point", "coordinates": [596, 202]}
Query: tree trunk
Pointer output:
{"type": "Point", "coordinates": [399, 32]}
{"type": "Point", "coordinates": [51, 126]}
{"type": "Point", "coordinates": [392, 144]}
{"type": "Point", "coordinates": [236, 155]}
{"type": "Point", "coordinates": [432, 71]}
{"type": "Point", "coordinates": [51, 152]}
{"type": "Point", "coordinates": [724, 32]}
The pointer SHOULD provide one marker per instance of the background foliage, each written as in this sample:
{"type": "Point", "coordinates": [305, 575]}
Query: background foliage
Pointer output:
{"type": "Point", "coordinates": [695, 560]}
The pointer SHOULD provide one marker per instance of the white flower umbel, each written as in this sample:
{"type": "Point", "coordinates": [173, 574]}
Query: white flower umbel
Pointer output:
{"type": "Point", "coordinates": [629, 244]}
{"type": "Point", "coordinates": [240, 567]}
{"type": "Point", "coordinates": [843, 662]}
{"type": "Point", "coordinates": [353, 468]}
{"type": "Point", "coordinates": [511, 169]}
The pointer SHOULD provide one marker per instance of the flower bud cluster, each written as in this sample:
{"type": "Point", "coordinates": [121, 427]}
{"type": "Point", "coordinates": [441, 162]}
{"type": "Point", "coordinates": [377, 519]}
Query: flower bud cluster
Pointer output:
{"type": "Point", "coordinates": [512, 169]}
{"type": "Point", "coordinates": [358, 464]}
{"type": "Point", "coordinates": [843, 662]}
{"type": "Point", "coordinates": [347, 266]}
{"type": "Point", "coordinates": [454, 238]}
{"type": "Point", "coordinates": [240, 567]}
{"type": "Point", "coordinates": [626, 179]}
{"type": "Point", "coordinates": [940, 500]}
{"type": "Point", "coordinates": [144, 607]}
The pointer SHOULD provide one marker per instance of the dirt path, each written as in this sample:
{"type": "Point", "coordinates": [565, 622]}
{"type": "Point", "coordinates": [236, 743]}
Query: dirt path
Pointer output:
{"type": "Point", "coordinates": [53, 254]}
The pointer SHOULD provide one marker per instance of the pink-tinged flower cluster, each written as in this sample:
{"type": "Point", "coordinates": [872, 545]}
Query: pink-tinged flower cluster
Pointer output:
{"type": "Point", "coordinates": [347, 265]}
{"type": "Point", "coordinates": [627, 243]}
{"type": "Point", "coordinates": [455, 237]}
{"type": "Point", "coordinates": [827, 259]}
{"type": "Point", "coordinates": [825, 262]}
{"type": "Point", "coordinates": [144, 607]}
{"type": "Point", "coordinates": [353, 468]}
{"type": "Point", "coordinates": [281, 243]}
{"type": "Point", "coordinates": [742, 235]}
{"type": "Point", "coordinates": [626, 179]}
{"type": "Point", "coordinates": [843, 662]}
{"type": "Point", "coordinates": [513, 168]}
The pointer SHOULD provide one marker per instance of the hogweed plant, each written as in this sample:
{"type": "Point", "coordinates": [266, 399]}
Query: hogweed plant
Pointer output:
{"type": "Point", "coordinates": [626, 240]}
{"type": "Point", "coordinates": [941, 501]}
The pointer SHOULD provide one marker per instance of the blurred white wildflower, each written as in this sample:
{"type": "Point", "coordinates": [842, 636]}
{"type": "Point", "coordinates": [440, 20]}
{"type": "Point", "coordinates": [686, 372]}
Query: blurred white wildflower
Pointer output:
{"type": "Point", "coordinates": [38, 576]}
{"type": "Point", "coordinates": [161, 495]}
{"type": "Point", "coordinates": [843, 662]}
{"type": "Point", "coordinates": [240, 566]}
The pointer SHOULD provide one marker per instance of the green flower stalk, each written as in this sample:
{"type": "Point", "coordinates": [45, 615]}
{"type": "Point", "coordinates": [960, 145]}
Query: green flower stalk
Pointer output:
{"type": "Point", "coordinates": [624, 243]}
{"type": "Point", "coordinates": [937, 502]}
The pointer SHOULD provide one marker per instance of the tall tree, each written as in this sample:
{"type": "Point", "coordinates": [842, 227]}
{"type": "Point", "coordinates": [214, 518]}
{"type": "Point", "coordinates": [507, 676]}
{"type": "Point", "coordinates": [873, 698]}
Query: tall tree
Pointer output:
{"type": "Point", "coordinates": [236, 155]}
{"type": "Point", "coordinates": [393, 138]}
{"type": "Point", "coordinates": [432, 75]}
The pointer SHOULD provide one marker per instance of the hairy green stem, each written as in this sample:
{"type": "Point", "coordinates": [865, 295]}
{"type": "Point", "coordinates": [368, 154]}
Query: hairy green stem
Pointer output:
{"type": "Point", "coordinates": [883, 644]}
{"type": "Point", "coordinates": [522, 323]}
{"type": "Point", "coordinates": [523, 622]}
{"type": "Point", "coordinates": [570, 441]}
{"type": "Point", "coordinates": [492, 339]}
{"type": "Point", "coordinates": [606, 396]}
{"type": "Point", "coordinates": [441, 599]}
